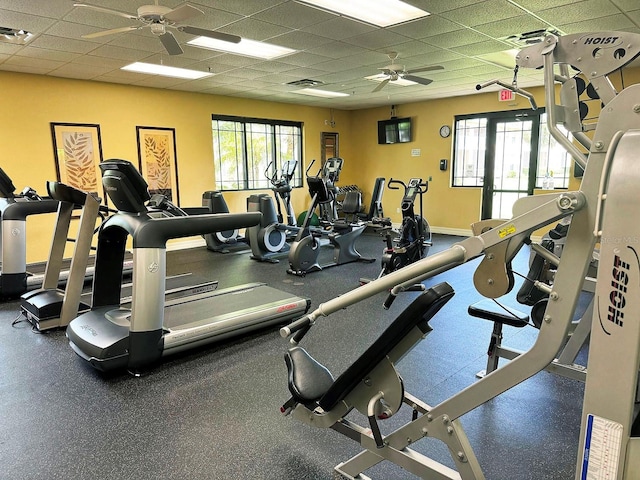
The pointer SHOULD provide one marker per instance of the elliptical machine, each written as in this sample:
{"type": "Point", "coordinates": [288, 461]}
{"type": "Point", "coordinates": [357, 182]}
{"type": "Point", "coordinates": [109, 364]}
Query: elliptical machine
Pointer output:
{"type": "Point", "coordinates": [415, 234]}
{"type": "Point", "coordinates": [305, 249]}
{"type": "Point", "coordinates": [223, 241]}
{"type": "Point", "coordinates": [281, 186]}
{"type": "Point", "coordinates": [330, 173]}
{"type": "Point", "coordinates": [268, 239]}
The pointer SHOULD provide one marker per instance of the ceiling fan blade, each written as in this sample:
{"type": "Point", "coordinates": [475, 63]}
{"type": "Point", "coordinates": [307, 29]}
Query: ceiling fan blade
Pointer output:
{"type": "Point", "coordinates": [110, 32]}
{"type": "Point", "coordinates": [170, 43]}
{"type": "Point", "coordinates": [225, 37]}
{"type": "Point", "coordinates": [182, 13]}
{"type": "Point", "coordinates": [106, 10]}
{"type": "Point", "coordinates": [427, 69]}
{"type": "Point", "coordinates": [421, 81]}
{"type": "Point", "coordinates": [381, 86]}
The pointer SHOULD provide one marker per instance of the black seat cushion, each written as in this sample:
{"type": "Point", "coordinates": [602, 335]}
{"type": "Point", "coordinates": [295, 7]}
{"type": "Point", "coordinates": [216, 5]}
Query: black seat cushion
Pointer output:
{"type": "Point", "coordinates": [490, 310]}
{"type": "Point", "coordinates": [309, 380]}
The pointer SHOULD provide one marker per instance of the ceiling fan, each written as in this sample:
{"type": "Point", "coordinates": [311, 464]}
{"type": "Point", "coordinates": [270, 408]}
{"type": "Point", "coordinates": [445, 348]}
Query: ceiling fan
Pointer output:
{"type": "Point", "coordinates": [395, 71]}
{"type": "Point", "coordinates": [160, 19]}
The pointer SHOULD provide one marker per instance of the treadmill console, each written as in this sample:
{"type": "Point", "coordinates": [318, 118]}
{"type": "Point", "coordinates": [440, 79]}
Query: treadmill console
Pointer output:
{"type": "Point", "coordinates": [126, 188]}
{"type": "Point", "coordinates": [6, 185]}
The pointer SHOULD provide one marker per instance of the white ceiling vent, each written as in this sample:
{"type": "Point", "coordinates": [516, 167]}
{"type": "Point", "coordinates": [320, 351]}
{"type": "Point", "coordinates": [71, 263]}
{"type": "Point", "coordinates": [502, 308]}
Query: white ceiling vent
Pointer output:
{"type": "Point", "coordinates": [522, 40]}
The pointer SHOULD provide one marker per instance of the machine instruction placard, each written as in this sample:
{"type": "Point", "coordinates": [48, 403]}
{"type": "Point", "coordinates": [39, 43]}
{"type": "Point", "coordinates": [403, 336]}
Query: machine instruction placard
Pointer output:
{"type": "Point", "coordinates": [602, 446]}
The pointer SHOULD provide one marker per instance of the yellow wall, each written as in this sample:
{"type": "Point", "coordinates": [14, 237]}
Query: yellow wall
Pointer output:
{"type": "Point", "coordinates": [31, 102]}
{"type": "Point", "coordinates": [444, 206]}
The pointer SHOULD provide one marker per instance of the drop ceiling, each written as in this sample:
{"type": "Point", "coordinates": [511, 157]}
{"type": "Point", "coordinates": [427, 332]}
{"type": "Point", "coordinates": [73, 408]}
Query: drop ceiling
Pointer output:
{"type": "Point", "coordinates": [467, 37]}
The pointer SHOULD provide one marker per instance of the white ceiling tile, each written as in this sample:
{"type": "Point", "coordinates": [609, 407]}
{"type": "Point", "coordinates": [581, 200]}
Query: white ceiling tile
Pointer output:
{"type": "Point", "coordinates": [579, 11]}
{"type": "Point", "coordinates": [333, 49]}
{"type": "Point", "coordinates": [483, 12]}
{"type": "Point", "coordinates": [293, 15]}
{"type": "Point", "coordinates": [337, 28]}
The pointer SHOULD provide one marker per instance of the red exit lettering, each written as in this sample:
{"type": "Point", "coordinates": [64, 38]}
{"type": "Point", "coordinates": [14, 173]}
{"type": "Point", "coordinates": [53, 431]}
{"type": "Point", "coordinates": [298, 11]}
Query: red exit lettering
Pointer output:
{"type": "Point", "coordinates": [506, 95]}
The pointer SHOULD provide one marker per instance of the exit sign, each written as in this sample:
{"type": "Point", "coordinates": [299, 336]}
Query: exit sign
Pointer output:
{"type": "Point", "coordinates": [505, 95]}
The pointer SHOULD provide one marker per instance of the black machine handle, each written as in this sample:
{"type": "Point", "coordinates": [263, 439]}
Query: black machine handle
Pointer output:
{"type": "Point", "coordinates": [393, 181]}
{"type": "Point", "coordinates": [266, 172]}
{"type": "Point", "coordinates": [297, 328]}
{"type": "Point", "coordinates": [309, 167]}
{"type": "Point", "coordinates": [389, 301]}
{"type": "Point", "coordinates": [421, 187]}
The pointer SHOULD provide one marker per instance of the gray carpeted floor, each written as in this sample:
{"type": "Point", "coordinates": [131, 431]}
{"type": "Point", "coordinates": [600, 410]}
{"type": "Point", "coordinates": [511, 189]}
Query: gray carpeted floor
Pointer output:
{"type": "Point", "coordinates": [214, 413]}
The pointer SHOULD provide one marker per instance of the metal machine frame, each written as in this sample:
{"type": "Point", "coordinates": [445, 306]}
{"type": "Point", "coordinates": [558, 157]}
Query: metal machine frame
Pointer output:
{"type": "Point", "coordinates": [66, 302]}
{"type": "Point", "coordinates": [601, 210]}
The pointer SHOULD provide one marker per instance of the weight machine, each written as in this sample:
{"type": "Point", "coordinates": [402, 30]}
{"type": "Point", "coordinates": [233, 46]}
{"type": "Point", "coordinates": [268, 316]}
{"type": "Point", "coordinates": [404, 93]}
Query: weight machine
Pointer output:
{"type": "Point", "coordinates": [602, 211]}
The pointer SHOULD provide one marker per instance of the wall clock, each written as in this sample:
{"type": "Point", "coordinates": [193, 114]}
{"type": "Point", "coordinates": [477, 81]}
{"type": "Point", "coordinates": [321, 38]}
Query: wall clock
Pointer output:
{"type": "Point", "coordinates": [445, 131]}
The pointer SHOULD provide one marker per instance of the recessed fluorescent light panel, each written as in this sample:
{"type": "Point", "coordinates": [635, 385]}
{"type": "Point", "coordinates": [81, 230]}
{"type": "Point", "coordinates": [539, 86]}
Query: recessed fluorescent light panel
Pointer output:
{"type": "Point", "coordinates": [246, 47]}
{"type": "Point", "coordinates": [166, 71]}
{"type": "Point", "coordinates": [382, 13]}
{"type": "Point", "coordinates": [15, 36]}
{"type": "Point", "coordinates": [399, 82]}
{"type": "Point", "coordinates": [316, 92]}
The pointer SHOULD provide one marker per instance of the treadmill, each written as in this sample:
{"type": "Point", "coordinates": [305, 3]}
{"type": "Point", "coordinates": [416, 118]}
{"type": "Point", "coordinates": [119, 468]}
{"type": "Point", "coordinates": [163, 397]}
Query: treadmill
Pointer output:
{"type": "Point", "coordinates": [112, 337]}
{"type": "Point", "coordinates": [54, 307]}
{"type": "Point", "coordinates": [14, 210]}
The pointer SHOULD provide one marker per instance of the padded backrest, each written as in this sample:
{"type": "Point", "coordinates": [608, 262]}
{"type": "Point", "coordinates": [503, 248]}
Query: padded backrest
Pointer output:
{"type": "Point", "coordinates": [419, 312]}
{"type": "Point", "coordinates": [352, 203]}
{"type": "Point", "coordinates": [376, 197]}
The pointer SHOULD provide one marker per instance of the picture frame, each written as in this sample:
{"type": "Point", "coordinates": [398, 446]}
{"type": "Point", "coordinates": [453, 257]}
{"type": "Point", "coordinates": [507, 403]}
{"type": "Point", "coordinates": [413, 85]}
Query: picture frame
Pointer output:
{"type": "Point", "coordinates": [158, 162]}
{"type": "Point", "coordinates": [77, 149]}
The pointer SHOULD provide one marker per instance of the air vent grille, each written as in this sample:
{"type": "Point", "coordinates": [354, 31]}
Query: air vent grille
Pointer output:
{"type": "Point", "coordinates": [522, 40]}
{"type": "Point", "coordinates": [306, 82]}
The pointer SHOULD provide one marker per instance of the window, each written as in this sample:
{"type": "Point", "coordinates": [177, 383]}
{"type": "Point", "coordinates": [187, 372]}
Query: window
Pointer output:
{"type": "Point", "coordinates": [477, 141]}
{"type": "Point", "coordinates": [469, 152]}
{"type": "Point", "coordinates": [554, 162]}
{"type": "Point", "coordinates": [244, 149]}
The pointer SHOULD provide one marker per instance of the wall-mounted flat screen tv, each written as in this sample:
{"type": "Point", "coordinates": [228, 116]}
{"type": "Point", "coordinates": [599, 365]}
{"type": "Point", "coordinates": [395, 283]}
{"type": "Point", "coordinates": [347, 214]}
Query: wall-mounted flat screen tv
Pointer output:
{"type": "Point", "coordinates": [394, 130]}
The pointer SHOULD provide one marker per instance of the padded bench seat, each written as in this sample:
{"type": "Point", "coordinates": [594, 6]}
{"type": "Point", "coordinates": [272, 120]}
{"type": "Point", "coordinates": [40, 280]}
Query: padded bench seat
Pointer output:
{"type": "Point", "coordinates": [488, 310]}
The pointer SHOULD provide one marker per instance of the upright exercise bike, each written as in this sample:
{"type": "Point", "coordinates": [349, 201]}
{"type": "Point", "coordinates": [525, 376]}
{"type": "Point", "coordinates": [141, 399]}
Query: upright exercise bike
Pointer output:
{"type": "Point", "coordinates": [342, 235]}
{"type": "Point", "coordinates": [414, 240]}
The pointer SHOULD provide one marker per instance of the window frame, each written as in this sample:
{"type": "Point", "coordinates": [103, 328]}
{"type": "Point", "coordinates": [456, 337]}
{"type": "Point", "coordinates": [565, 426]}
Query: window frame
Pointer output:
{"type": "Point", "coordinates": [245, 180]}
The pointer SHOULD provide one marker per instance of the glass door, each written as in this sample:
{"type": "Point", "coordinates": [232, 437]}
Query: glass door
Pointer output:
{"type": "Point", "coordinates": [511, 164]}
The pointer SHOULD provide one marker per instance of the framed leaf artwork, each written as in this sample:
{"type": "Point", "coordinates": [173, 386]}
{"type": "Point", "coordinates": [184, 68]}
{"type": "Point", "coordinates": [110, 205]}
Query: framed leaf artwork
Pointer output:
{"type": "Point", "coordinates": [158, 162]}
{"type": "Point", "coordinates": [77, 149]}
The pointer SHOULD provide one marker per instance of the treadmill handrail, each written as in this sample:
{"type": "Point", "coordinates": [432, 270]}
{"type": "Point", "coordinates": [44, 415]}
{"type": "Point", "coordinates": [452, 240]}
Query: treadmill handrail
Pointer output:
{"type": "Point", "coordinates": [21, 210]}
{"type": "Point", "coordinates": [155, 232]}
